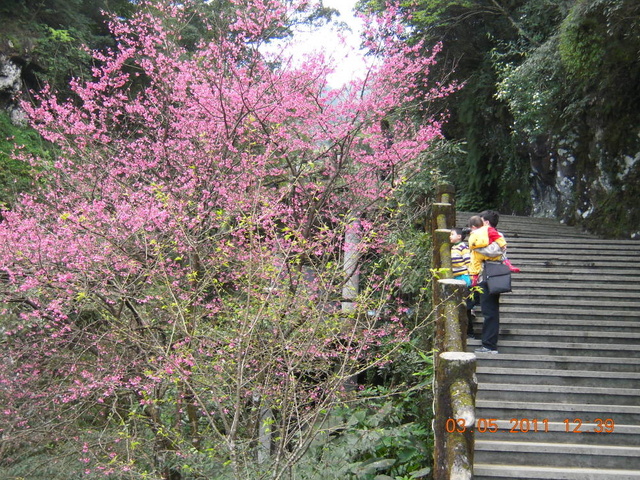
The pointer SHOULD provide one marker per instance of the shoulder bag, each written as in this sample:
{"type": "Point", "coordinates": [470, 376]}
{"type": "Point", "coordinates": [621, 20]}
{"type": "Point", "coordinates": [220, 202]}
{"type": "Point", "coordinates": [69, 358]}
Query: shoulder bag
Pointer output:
{"type": "Point", "coordinates": [498, 276]}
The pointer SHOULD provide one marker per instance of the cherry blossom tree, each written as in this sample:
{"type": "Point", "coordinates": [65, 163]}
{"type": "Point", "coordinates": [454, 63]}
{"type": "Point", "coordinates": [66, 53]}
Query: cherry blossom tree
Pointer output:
{"type": "Point", "coordinates": [172, 287]}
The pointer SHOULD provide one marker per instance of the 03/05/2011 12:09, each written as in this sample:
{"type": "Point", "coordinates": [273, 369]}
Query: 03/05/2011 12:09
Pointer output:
{"type": "Point", "coordinates": [525, 425]}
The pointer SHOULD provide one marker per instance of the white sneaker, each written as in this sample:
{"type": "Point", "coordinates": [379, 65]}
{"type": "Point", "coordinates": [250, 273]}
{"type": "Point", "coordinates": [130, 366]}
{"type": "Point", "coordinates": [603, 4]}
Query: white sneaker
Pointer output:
{"type": "Point", "coordinates": [485, 350]}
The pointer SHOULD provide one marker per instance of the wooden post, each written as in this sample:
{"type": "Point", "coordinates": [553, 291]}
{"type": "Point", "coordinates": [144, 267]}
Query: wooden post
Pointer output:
{"type": "Point", "coordinates": [455, 383]}
{"type": "Point", "coordinates": [441, 266]}
{"type": "Point", "coordinates": [265, 439]}
{"type": "Point", "coordinates": [350, 265]}
{"type": "Point", "coordinates": [446, 193]}
{"type": "Point", "coordinates": [441, 261]}
{"type": "Point", "coordinates": [451, 332]}
{"type": "Point", "coordinates": [454, 417]}
{"type": "Point", "coordinates": [443, 216]}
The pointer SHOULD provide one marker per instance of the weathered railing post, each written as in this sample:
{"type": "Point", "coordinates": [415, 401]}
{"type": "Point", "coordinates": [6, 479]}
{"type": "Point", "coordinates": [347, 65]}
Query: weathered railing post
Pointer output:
{"type": "Point", "coordinates": [454, 386]}
{"type": "Point", "coordinates": [446, 193]}
{"type": "Point", "coordinates": [441, 253]}
{"type": "Point", "coordinates": [455, 382]}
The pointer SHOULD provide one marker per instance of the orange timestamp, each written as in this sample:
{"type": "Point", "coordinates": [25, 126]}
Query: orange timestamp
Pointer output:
{"type": "Point", "coordinates": [525, 425]}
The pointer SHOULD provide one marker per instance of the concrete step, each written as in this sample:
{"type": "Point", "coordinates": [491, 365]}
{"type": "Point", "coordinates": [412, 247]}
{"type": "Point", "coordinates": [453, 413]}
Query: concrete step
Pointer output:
{"type": "Point", "coordinates": [547, 454]}
{"type": "Point", "coordinates": [579, 275]}
{"type": "Point", "coordinates": [524, 300]}
{"type": "Point", "coordinates": [515, 311]}
{"type": "Point", "coordinates": [491, 472]}
{"type": "Point", "coordinates": [551, 252]}
{"type": "Point", "coordinates": [530, 261]}
{"type": "Point", "coordinates": [533, 228]}
{"type": "Point", "coordinates": [517, 392]}
{"type": "Point", "coordinates": [578, 415]}
{"type": "Point", "coordinates": [512, 305]}
{"type": "Point", "coordinates": [517, 429]}
{"type": "Point", "coordinates": [625, 291]}
{"type": "Point", "coordinates": [552, 246]}
{"type": "Point", "coordinates": [567, 324]}
{"type": "Point", "coordinates": [562, 362]}
{"type": "Point", "coordinates": [557, 348]}
{"type": "Point", "coordinates": [569, 294]}
{"type": "Point", "coordinates": [527, 251]}
{"type": "Point", "coordinates": [605, 336]}
{"type": "Point", "coordinates": [578, 378]}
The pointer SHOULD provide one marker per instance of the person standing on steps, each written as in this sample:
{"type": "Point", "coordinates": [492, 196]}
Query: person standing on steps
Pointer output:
{"type": "Point", "coordinates": [460, 259]}
{"type": "Point", "coordinates": [482, 236]}
{"type": "Point", "coordinates": [490, 218]}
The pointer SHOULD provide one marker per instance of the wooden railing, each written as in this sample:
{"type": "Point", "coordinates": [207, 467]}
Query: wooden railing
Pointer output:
{"type": "Point", "coordinates": [455, 370]}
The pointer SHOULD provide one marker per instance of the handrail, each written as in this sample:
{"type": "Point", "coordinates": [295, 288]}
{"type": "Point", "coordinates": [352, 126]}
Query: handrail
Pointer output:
{"type": "Point", "coordinates": [455, 383]}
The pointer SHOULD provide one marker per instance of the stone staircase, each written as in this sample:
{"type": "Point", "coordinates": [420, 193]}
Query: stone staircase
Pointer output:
{"type": "Point", "coordinates": [562, 398]}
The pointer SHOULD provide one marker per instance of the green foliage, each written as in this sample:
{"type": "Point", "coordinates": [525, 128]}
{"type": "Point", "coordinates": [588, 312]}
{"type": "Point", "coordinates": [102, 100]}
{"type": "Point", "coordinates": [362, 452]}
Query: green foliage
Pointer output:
{"type": "Point", "coordinates": [544, 80]}
{"type": "Point", "coordinates": [485, 173]}
{"type": "Point", "coordinates": [50, 36]}
{"type": "Point", "coordinates": [438, 12]}
{"type": "Point", "coordinates": [582, 45]}
{"type": "Point", "coordinates": [554, 85]}
{"type": "Point", "coordinates": [532, 89]}
{"type": "Point", "coordinates": [15, 175]}
{"type": "Point", "coordinates": [385, 435]}
{"type": "Point", "coordinates": [567, 92]}
{"type": "Point", "coordinates": [540, 20]}
{"type": "Point", "coordinates": [62, 55]}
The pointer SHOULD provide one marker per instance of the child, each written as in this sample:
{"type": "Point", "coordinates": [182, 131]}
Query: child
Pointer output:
{"type": "Point", "coordinates": [483, 236]}
{"type": "Point", "coordinates": [459, 256]}
{"type": "Point", "coordinates": [459, 265]}
{"type": "Point", "coordinates": [490, 218]}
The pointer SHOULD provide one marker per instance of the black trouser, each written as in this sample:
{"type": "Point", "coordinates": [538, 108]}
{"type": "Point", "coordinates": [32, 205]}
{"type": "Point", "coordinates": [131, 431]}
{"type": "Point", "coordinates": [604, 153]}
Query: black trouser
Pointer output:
{"type": "Point", "coordinates": [490, 305]}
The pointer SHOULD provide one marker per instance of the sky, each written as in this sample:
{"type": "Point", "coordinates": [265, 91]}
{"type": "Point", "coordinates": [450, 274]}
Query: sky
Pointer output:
{"type": "Point", "coordinates": [353, 64]}
{"type": "Point", "coordinates": [348, 61]}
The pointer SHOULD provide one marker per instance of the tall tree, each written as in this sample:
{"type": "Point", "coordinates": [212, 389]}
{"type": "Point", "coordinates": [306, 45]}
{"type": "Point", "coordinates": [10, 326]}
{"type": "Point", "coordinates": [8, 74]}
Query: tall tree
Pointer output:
{"type": "Point", "coordinates": [170, 290]}
{"type": "Point", "coordinates": [543, 127]}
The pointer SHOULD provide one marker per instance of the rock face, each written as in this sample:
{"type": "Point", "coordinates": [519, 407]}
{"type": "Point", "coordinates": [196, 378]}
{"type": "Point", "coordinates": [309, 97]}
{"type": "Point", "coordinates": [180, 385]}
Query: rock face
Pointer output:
{"type": "Point", "coordinates": [9, 76]}
{"type": "Point", "coordinates": [10, 88]}
{"type": "Point", "coordinates": [590, 179]}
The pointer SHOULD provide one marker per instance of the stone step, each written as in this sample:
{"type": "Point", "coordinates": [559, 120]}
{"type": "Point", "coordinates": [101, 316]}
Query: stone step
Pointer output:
{"type": "Point", "coordinates": [517, 392]}
{"type": "Point", "coordinates": [562, 362]}
{"type": "Point", "coordinates": [606, 336]}
{"type": "Point", "coordinates": [557, 347]}
{"type": "Point", "coordinates": [578, 378]}
{"type": "Point", "coordinates": [595, 246]}
{"type": "Point", "coordinates": [538, 259]}
{"type": "Point", "coordinates": [580, 276]}
{"type": "Point", "coordinates": [532, 228]}
{"type": "Point", "coordinates": [587, 252]}
{"type": "Point", "coordinates": [515, 310]}
{"type": "Point", "coordinates": [492, 472]}
{"type": "Point", "coordinates": [578, 415]}
{"type": "Point", "coordinates": [566, 324]}
{"type": "Point", "coordinates": [612, 266]}
{"type": "Point", "coordinates": [568, 293]}
{"type": "Point", "coordinates": [541, 253]}
{"type": "Point", "coordinates": [517, 429]}
{"type": "Point", "coordinates": [579, 273]}
{"type": "Point", "coordinates": [569, 350]}
{"type": "Point", "coordinates": [557, 455]}
{"type": "Point", "coordinates": [629, 291]}
{"type": "Point", "coordinates": [521, 299]}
